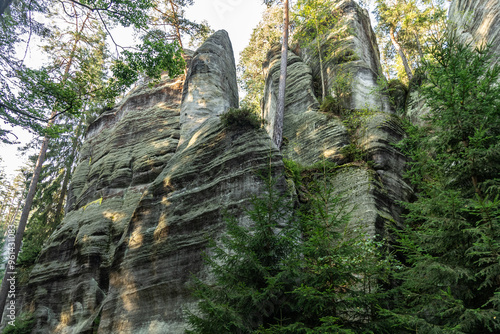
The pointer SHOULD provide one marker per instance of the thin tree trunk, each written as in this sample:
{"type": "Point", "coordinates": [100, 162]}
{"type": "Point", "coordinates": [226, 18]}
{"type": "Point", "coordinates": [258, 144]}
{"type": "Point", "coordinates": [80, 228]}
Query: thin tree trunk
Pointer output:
{"type": "Point", "coordinates": [64, 189]}
{"type": "Point", "coordinates": [280, 110]}
{"type": "Point", "coordinates": [399, 49]}
{"type": "Point", "coordinates": [323, 88]}
{"type": "Point", "coordinates": [176, 23]}
{"type": "Point", "coordinates": [10, 271]}
{"type": "Point", "coordinates": [419, 47]}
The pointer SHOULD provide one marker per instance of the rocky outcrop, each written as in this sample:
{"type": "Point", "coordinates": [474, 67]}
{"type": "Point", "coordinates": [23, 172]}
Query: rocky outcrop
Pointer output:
{"type": "Point", "coordinates": [211, 87]}
{"type": "Point", "coordinates": [142, 206]}
{"type": "Point", "coordinates": [477, 22]}
{"type": "Point", "coordinates": [366, 130]}
{"type": "Point", "coordinates": [351, 58]}
{"type": "Point", "coordinates": [309, 136]}
{"type": "Point", "coordinates": [124, 152]}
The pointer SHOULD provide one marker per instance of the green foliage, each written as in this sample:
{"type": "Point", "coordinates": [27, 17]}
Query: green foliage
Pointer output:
{"type": "Point", "coordinates": [241, 118]}
{"type": "Point", "coordinates": [22, 325]}
{"type": "Point", "coordinates": [452, 240]}
{"type": "Point", "coordinates": [249, 268]}
{"type": "Point", "coordinates": [319, 28]}
{"type": "Point", "coordinates": [155, 55]}
{"type": "Point", "coordinates": [353, 152]}
{"type": "Point", "coordinates": [355, 122]}
{"type": "Point", "coordinates": [311, 271]}
{"type": "Point", "coordinates": [331, 105]}
{"type": "Point", "coordinates": [293, 171]}
{"type": "Point", "coordinates": [412, 23]}
{"type": "Point", "coordinates": [398, 93]}
{"type": "Point", "coordinates": [341, 86]}
{"type": "Point", "coordinates": [266, 35]}
{"type": "Point", "coordinates": [28, 95]}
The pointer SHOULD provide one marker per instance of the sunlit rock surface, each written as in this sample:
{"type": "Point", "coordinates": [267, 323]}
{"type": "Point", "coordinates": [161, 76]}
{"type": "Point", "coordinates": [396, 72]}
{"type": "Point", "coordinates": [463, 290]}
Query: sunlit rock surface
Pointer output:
{"type": "Point", "coordinates": [351, 56]}
{"type": "Point", "coordinates": [309, 136]}
{"type": "Point", "coordinates": [211, 87]}
{"type": "Point", "coordinates": [372, 190]}
{"type": "Point", "coordinates": [141, 208]}
{"type": "Point", "coordinates": [478, 22]}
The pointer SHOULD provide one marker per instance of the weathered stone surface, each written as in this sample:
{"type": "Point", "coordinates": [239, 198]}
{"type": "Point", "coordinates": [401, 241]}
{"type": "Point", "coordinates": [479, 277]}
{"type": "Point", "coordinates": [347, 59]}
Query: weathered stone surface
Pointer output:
{"type": "Point", "coordinates": [210, 87]}
{"type": "Point", "coordinates": [355, 55]}
{"type": "Point", "coordinates": [126, 149]}
{"type": "Point", "coordinates": [478, 22]}
{"type": "Point", "coordinates": [313, 136]}
{"type": "Point", "coordinates": [214, 171]}
{"type": "Point", "coordinates": [139, 213]}
{"type": "Point", "coordinates": [310, 135]}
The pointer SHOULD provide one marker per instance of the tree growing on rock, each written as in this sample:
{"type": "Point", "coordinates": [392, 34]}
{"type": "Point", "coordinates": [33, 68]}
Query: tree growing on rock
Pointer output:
{"type": "Point", "coordinates": [315, 19]}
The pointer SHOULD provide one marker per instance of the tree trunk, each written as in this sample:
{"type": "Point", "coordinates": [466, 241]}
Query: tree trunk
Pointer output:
{"type": "Point", "coordinates": [394, 41]}
{"type": "Point", "coordinates": [280, 110]}
{"type": "Point", "coordinates": [176, 23]}
{"type": "Point", "coordinates": [323, 88]}
{"type": "Point", "coordinates": [67, 176]}
{"type": "Point", "coordinates": [10, 270]}
{"type": "Point", "coordinates": [419, 47]}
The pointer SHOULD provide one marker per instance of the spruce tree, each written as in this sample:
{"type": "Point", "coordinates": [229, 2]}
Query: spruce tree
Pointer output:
{"type": "Point", "coordinates": [308, 272]}
{"type": "Point", "coordinates": [249, 269]}
{"type": "Point", "coordinates": [452, 241]}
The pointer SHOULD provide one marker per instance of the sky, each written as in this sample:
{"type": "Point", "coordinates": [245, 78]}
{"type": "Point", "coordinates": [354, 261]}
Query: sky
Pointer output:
{"type": "Point", "coordinates": [237, 17]}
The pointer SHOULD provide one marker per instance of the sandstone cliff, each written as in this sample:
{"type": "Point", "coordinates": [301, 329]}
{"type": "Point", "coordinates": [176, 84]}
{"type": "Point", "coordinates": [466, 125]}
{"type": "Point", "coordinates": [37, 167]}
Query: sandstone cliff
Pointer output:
{"type": "Point", "coordinates": [478, 22]}
{"type": "Point", "coordinates": [157, 173]}
{"type": "Point", "coordinates": [367, 124]}
{"type": "Point", "coordinates": [142, 205]}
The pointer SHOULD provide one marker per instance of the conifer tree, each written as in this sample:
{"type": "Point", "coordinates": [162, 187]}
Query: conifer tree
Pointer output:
{"type": "Point", "coordinates": [250, 270]}
{"type": "Point", "coordinates": [292, 273]}
{"type": "Point", "coordinates": [452, 242]}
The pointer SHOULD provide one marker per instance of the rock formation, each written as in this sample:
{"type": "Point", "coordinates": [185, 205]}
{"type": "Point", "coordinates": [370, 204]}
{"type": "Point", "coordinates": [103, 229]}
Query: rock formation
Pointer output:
{"type": "Point", "coordinates": [312, 136]}
{"type": "Point", "coordinates": [141, 205]}
{"type": "Point", "coordinates": [477, 22]}
{"type": "Point", "coordinates": [211, 87]}
{"type": "Point", "coordinates": [158, 171]}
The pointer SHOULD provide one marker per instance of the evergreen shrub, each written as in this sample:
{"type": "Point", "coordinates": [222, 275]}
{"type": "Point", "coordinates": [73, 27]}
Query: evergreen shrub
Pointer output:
{"type": "Point", "coordinates": [241, 118]}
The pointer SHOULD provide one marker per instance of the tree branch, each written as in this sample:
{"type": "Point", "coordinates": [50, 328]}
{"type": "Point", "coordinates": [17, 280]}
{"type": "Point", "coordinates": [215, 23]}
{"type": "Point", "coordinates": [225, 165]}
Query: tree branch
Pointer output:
{"type": "Point", "coordinates": [25, 114]}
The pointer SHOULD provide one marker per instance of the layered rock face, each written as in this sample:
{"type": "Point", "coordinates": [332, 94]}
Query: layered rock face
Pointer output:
{"type": "Point", "coordinates": [478, 22]}
{"type": "Point", "coordinates": [351, 58]}
{"type": "Point", "coordinates": [211, 87]}
{"type": "Point", "coordinates": [142, 205]}
{"type": "Point", "coordinates": [311, 136]}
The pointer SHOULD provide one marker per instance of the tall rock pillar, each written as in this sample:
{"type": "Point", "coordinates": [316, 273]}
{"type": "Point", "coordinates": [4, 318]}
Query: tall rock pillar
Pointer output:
{"type": "Point", "coordinates": [210, 88]}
